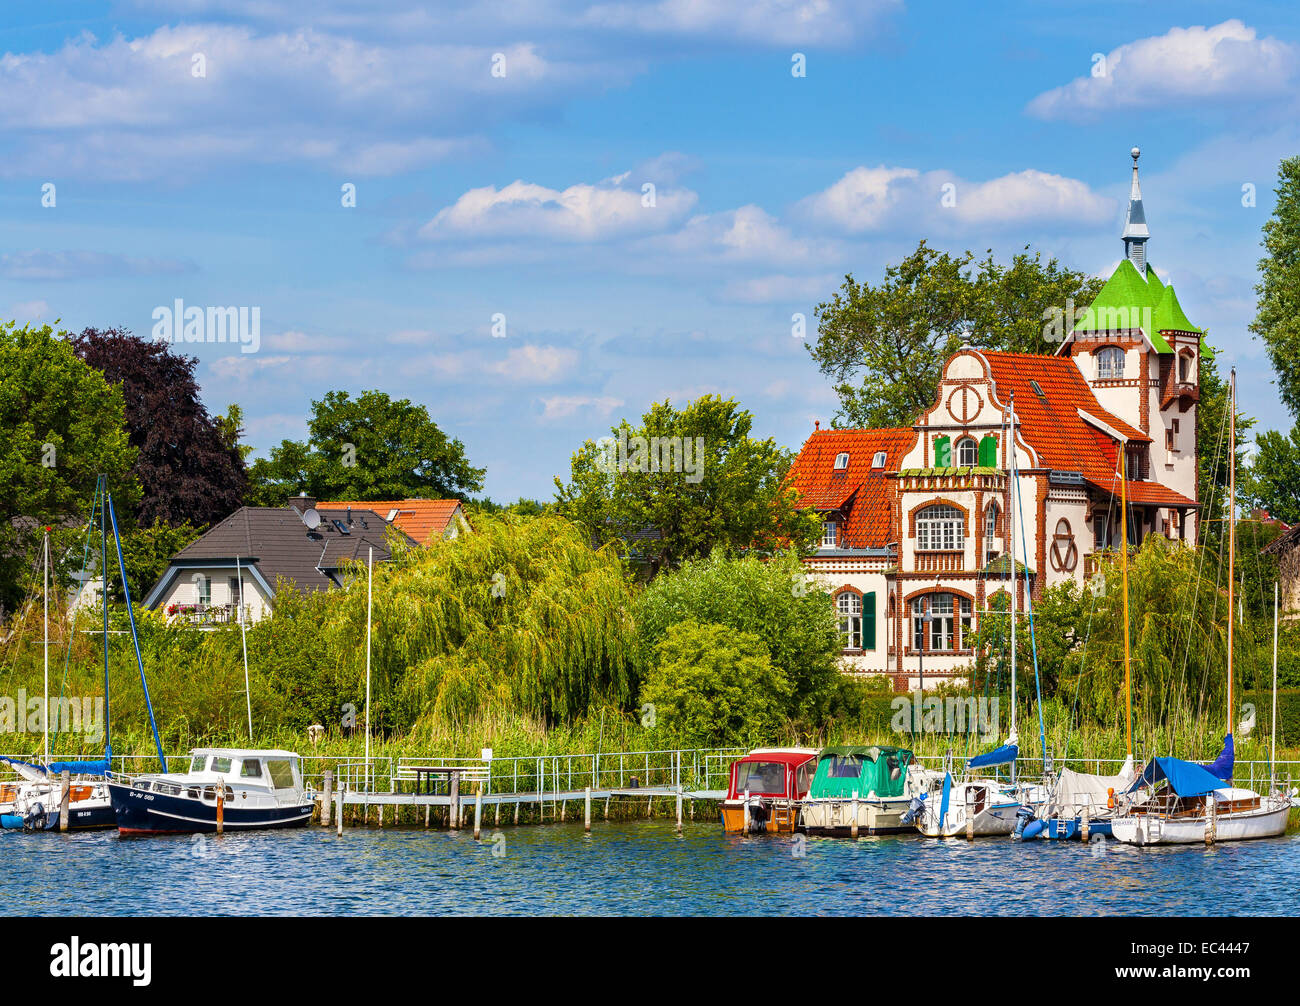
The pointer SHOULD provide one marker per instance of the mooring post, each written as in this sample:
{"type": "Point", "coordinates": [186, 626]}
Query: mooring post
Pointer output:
{"type": "Point", "coordinates": [744, 814]}
{"type": "Point", "coordinates": [221, 806]}
{"type": "Point", "coordinates": [325, 801]}
{"type": "Point", "coordinates": [970, 824]}
{"type": "Point", "coordinates": [679, 808]}
{"type": "Point", "coordinates": [586, 811]}
{"type": "Point", "coordinates": [478, 812]}
{"type": "Point", "coordinates": [453, 813]}
{"type": "Point", "coordinates": [853, 824]}
{"type": "Point", "coordinates": [66, 787]}
{"type": "Point", "coordinates": [516, 809]}
{"type": "Point", "coordinates": [606, 807]}
{"type": "Point", "coordinates": [1085, 820]}
{"type": "Point", "coordinates": [342, 787]}
{"type": "Point", "coordinates": [1210, 810]}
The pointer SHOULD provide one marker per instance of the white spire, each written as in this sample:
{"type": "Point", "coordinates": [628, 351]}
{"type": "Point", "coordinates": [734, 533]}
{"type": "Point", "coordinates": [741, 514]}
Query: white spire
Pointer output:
{"type": "Point", "coordinates": [1135, 224]}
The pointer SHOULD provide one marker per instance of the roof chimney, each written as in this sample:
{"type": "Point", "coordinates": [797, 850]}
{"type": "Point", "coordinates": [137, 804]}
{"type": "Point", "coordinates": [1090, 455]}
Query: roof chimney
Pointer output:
{"type": "Point", "coordinates": [302, 502]}
{"type": "Point", "coordinates": [817, 424]}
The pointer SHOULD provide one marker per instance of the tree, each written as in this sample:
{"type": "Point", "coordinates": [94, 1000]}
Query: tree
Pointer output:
{"type": "Point", "coordinates": [1272, 480]}
{"type": "Point", "coordinates": [63, 427]}
{"type": "Point", "coordinates": [231, 426]}
{"type": "Point", "coordinates": [1277, 311]}
{"type": "Point", "coordinates": [884, 345]}
{"type": "Point", "coordinates": [185, 467]}
{"type": "Point", "coordinates": [367, 448]}
{"type": "Point", "coordinates": [147, 553]}
{"type": "Point", "coordinates": [683, 483]}
{"type": "Point", "coordinates": [1211, 446]}
{"type": "Point", "coordinates": [711, 686]}
{"type": "Point", "coordinates": [520, 618]}
{"type": "Point", "coordinates": [770, 599]}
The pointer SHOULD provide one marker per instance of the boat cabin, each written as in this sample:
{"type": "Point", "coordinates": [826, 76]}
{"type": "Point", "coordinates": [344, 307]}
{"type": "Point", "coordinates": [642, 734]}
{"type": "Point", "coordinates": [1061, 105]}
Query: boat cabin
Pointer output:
{"type": "Point", "coordinates": [877, 770]}
{"type": "Point", "coordinates": [775, 772]}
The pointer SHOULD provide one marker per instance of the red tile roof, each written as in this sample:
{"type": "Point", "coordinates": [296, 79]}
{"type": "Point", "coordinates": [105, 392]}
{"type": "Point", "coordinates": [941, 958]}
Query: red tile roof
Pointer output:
{"type": "Point", "coordinates": [421, 519]}
{"type": "Point", "coordinates": [866, 489]}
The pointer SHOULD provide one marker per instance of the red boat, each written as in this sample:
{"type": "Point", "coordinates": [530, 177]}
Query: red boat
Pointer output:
{"type": "Point", "coordinates": [766, 789]}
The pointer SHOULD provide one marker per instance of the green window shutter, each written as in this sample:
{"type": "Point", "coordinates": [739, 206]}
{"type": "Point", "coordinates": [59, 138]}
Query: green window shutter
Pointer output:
{"type": "Point", "coordinates": [942, 452]}
{"type": "Point", "coordinates": [869, 621]}
{"type": "Point", "coordinates": [989, 451]}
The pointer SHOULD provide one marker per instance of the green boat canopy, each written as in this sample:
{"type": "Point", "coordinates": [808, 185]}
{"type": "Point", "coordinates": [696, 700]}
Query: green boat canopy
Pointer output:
{"type": "Point", "coordinates": [878, 770]}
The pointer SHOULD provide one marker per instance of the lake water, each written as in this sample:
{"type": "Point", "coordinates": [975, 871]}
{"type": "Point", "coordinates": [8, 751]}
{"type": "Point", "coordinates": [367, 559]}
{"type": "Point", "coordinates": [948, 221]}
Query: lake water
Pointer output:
{"type": "Point", "coordinates": [640, 867]}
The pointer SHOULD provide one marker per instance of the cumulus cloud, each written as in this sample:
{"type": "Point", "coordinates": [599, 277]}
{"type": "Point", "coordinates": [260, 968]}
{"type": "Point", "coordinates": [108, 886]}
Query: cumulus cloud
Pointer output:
{"type": "Point", "coordinates": [876, 199]}
{"type": "Point", "coordinates": [566, 406]}
{"type": "Point", "coordinates": [768, 22]}
{"type": "Point", "coordinates": [583, 212]}
{"type": "Point", "coordinates": [1227, 61]}
{"type": "Point", "coordinates": [534, 364]}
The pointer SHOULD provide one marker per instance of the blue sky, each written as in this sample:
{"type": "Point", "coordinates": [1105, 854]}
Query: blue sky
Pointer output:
{"type": "Point", "coordinates": [522, 195]}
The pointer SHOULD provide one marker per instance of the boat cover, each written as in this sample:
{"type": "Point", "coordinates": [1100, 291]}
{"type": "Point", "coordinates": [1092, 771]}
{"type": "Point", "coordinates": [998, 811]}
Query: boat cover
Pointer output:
{"type": "Point", "coordinates": [879, 769]}
{"type": "Point", "coordinates": [30, 772]}
{"type": "Point", "coordinates": [1004, 755]}
{"type": "Point", "coordinates": [1185, 778]}
{"type": "Point", "coordinates": [1221, 767]}
{"type": "Point", "coordinates": [80, 767]}
{"type": "Point", "coordinates": [1076, 790]}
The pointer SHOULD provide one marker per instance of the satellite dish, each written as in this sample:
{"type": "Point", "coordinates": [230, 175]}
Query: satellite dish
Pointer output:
{"type": "Point", "coordinates": [311, 518]}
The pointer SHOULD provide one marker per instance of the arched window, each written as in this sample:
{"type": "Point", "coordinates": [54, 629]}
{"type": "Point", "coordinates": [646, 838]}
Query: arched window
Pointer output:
{"type": "Point", "coordinates": [1185, 368]}
{"type": "Point", "coordinates": [968, 452]}
{"type": "Point", "coordinates": [947, 626]}
{"type": "Point", "coordinates": [991, 522]}
{"type": "Point", "coordinates": [1110, 363]}
{"type": "Point", "coordinates": [841, 461]}
{"type": "Point", "coordinates": [940, 528]}
{"type": "Point", "coordinates": [849, 606]}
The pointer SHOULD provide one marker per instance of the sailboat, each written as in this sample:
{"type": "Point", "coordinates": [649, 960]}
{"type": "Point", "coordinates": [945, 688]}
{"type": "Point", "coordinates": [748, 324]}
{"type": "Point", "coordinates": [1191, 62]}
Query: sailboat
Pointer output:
{"type": "Point", "coordinates": [35, 803]}
{"type": "Point", "coordinates": [978, 805]}
{"type": "Point", "coordinates": [1081, 804]}
{"type": "Point", "coordinates": [1180, 802]}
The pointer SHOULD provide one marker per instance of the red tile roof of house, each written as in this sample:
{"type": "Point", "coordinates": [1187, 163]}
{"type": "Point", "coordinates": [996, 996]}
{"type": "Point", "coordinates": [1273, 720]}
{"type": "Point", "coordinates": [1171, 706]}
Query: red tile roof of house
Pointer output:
{"type": "Point", "coordinates": [421, 519]}
{"type": "Point", "coordinates": [813, 474]}
{"type": "Point", "coordinates": [1063, 438]}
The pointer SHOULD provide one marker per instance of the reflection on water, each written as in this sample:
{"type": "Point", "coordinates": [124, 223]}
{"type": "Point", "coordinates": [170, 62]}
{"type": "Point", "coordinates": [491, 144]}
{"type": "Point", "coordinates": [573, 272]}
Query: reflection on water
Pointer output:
{"type": "Point", "coordinates": [628, 869]}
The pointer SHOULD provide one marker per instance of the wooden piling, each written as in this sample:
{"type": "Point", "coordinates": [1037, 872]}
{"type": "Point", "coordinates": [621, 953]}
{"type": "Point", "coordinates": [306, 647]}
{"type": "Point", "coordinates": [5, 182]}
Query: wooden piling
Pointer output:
{"type": "Point", "coordinates": [1085, 822]}
{"type": "Point", "coordinates": [342, 787]}
{"type": "Point", "coordinates": [744, 814]}
{"type": "Point", "coordinates": [325, 801]}
{"type": "Point", "coordinates": [478, 813]}
{"type": "Point", "coordinates": [970, 823]}
{"type": "Point", "coordinates": [1210, 818]}
{"type": "Point", "coordinates": [607, 808]}
{"type": "Point", "coordinates": [853, 823]}
{"type": "Point", "coordinates": [453, 814]}
{"type": "Point", "coordinates": [679, 809]}
{"type": "Point", "coordinates": [66, 788]}
{"type": "Point", "coordinates": [221, 807]}
{"type": "Point", "coordinates": [516, 812]}
{"type": "Point", "coordinates": [586, 811]}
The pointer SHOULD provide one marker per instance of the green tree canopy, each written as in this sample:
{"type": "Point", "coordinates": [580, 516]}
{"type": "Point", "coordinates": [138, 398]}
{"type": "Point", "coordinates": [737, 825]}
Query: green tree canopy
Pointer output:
{"type": "Point", "coordinates": [770, 599]}
{"type": "Point", "coordinates": [520, 617]}
{"type": "Point", "coordinates": [884, 345]}
{"type": "Point", "coordinates": [367, 448]}
{"type": "Point", "coordinates": [1272, 481]}
{"type": "Point", "coordinates": [711, 686]}
{"type": "Point", "coordinates": [64, 425]}
{"type": "Point", "coordinates": [1277, 311]}
{"type": "Point", "coordinates": [683, 482]}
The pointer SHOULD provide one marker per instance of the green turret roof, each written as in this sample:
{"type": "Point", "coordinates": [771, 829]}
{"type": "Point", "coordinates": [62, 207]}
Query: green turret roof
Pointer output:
{"type": "Point", "coordinates": [1169, 315]}
{"type": "Point", "coordinates": [1130, 300]}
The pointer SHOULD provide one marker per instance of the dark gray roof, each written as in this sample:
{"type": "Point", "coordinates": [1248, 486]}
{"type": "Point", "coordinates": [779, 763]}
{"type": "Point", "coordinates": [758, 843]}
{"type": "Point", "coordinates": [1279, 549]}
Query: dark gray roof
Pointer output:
{"type": "Point", "coordinates": [281, 545]}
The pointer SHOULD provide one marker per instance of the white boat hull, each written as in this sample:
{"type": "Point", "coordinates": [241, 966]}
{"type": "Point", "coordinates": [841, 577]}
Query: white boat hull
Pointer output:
{"type": "Point", "coordinates": [875, 816]}
{"type": "Point", "coordinates": [1238, 826]}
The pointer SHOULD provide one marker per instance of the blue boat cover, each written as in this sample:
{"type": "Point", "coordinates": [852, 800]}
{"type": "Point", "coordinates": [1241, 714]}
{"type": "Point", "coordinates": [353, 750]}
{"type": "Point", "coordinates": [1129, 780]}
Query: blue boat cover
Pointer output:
{"type": "Point", "coordinates": [80, 767]}
{"type": "Point", "coordinates": [1185, 778]}
{"type": "Point", "coordinates": [1221, 767]}
{"type": "Point", "coordinates": [1004, 755]}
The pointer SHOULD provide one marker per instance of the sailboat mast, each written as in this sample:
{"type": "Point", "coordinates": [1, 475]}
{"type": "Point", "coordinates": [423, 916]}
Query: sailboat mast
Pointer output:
{"type": "Point", "coordinates": [1011, 534]}
{"type": "Point", "coordinates": [103, 597]}
{"type": "Point", "coordinates": [45, 717]}
{"type": "Point", "coordinates": [1232, 525]}
{"type": "Point", "coordinates": [1123, 565]}
{"type": "Point", "coordinates": [1272, 754]}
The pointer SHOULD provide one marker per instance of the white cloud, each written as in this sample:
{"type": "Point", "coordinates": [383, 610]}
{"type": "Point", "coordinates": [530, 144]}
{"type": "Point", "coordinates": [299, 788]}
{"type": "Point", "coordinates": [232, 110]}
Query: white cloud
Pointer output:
{"type": "Point", "coordinates": [768, 22]}
{"type": "Point", "coordinates": [1030, 195]}
{"type": "Point", "coordinates": [1185, 65]}
{"type": "Point", "coordinates": [30, 310]}
{"type": "Point", "coordinates": [582, 212]}
{"type": "Point", "coordinates": [536, 364]}
{"type": "Point", "coordinates": [566, 406]}
{"type": "Point", "coordinates": [779, 289]}
{"type": "Point", "coordinates": [862, 199]}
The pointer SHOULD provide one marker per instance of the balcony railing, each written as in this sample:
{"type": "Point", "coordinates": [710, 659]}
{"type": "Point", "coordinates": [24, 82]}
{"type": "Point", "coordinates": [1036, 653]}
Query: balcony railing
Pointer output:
{"type": "Point", "coordinates": [940, 562]}
{"type": "Point", "coordinates": [202, 615]}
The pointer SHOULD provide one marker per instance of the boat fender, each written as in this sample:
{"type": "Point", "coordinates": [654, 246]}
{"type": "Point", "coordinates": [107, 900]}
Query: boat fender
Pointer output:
{"type": "Point", "coordinates": [1110, 798]}
{"type": "Point", "coordinates": [1033, 830]}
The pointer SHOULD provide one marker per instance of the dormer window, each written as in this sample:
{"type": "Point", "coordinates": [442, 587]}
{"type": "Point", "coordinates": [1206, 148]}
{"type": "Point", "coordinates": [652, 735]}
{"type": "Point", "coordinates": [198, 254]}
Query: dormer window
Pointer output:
{"type": "Point", "coordinates": [879, 460]}
{"type": "Point", "coordinates": [968, 452]}
{"type": "Point", "coordinates": [1110, 363]}
{"type": "Point", "coordinates": [830, 537]}
{"type": "Point", "coordinates": [841, 461]}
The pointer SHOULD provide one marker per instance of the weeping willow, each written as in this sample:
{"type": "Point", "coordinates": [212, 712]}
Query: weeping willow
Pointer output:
{"type": "Point", "coordinates": [522, 618]}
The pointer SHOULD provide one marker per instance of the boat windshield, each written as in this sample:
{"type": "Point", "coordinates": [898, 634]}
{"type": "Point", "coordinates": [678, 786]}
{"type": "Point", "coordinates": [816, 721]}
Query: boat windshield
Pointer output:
{"type": "Point", "coordinates": [281, 772]}
{"type": "Point", "coordinates": [765, 777]}
{"type": "Point", "coordinates": [844, 766]}
{"type": "Point", "coordinates": [197, 763]}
